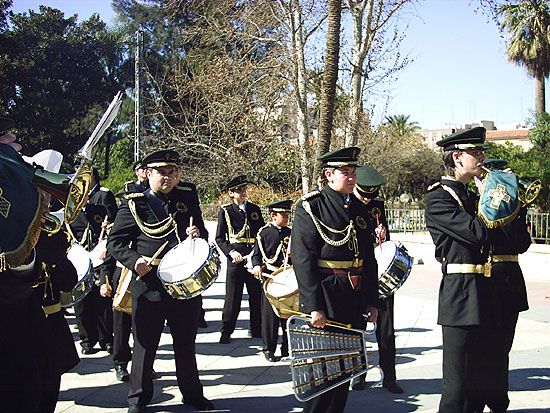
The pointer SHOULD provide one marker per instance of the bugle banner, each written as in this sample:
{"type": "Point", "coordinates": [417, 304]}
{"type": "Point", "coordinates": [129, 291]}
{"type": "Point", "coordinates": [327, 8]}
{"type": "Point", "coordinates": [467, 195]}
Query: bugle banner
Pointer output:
{"type": "Point", "coordinates": [499, 202]}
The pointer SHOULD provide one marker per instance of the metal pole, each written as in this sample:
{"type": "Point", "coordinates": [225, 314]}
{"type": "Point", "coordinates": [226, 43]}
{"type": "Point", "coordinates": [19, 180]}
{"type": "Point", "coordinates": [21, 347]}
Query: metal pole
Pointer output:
{"type": "Point", "coordinates": [137, 93]}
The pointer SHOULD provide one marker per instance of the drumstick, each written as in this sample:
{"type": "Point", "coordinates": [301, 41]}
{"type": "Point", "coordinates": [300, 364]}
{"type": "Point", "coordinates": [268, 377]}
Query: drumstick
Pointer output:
{"type": "Point", "coordinates": [103, 227]}
{"type": "Point", "coordinates": [285, 262]}
{"type": "Point", "coordinates": [157, 253]}
{"type": "Point", "coordinates": [329, 322]}
{"type": "Point", "coordinates": [190, 238]}
{"type": "Point", "coordinates": [376, 213]}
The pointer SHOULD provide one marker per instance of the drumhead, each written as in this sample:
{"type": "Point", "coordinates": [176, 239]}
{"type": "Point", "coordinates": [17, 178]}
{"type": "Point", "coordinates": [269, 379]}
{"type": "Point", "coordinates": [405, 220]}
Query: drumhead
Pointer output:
{"type": "Point", "coordinates": [80, 258]}
{"type": "Point", "coordinates": [184, 260]}
{"type": "Point", "coordinates": [385, 255]}
{"type": "Point", "coordinates": [97, 252]}
{"type": "Point", "coordinates": [283, 284]}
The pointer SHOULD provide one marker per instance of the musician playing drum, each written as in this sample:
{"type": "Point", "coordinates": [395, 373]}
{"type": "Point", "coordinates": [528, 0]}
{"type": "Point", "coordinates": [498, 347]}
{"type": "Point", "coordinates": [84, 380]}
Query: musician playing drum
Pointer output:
{"type": "Point", "coordinates": [367, 189]}
{"type": "Point", "coordinates": [149, 219]}
{"type": "Point", "coordinates": [238, 225]}
{"type": "Point", "coordinates": [467, 311]}
{"type": "Point", "coordinates": [270, 252]}
{"type": "Point", "coordinates": [337, 275]}
{"type": "Point", "coordinates": [506, 243]}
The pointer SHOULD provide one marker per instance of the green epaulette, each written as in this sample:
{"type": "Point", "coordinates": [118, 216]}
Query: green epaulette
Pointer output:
{"type": "Point", "coordinates": [134, 195]}
{"type": "Point", "coordinates": [434, 186]}
{"type": "Point", "coordinates": [310, 195]}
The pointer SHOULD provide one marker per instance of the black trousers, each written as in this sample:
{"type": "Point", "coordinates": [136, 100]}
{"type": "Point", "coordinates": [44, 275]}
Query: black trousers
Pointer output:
{"type": "Point", "coordinates": [237, 277]}
{"type": "Point", "coordinates": [385, 336]}
{"type": "Point", "coordinates": [94, 317]}
{"type": "Point", "coordinates": [333, 401]}
{"type": "Point", "coordinates": [270, 328]}
{"type": "Point", "coordinates": [122, 327]}
{"type": "Point", "coordinates": [466, 351]}
{"type": "Point", "coordinates": [148, 319]}
{"type": "Point", "coordinates": [497, 398]}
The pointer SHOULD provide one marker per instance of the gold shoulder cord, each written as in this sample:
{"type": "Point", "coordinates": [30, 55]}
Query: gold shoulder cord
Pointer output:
{"type": "Point", "coordinates": [157, 230]}
{"type": "Point", "coordinates": [231, 232]}
{"type": "Point", "coordinates": [351, 235]}
{"type": "Point", "coordinates": [267, 260]}
{"type": "Point", "coordinates": [453, 194]}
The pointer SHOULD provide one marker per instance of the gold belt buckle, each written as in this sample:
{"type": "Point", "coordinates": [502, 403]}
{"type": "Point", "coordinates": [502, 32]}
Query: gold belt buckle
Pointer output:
{"type": "Point", "coordinates": [487, 269]}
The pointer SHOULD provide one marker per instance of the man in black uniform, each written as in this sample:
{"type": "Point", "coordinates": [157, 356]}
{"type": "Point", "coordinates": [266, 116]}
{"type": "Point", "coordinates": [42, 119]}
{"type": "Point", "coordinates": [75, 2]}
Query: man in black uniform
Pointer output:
{"type": "Point", "coordinates": [506, 243]}
{"type": "Point", "coordinates": [58, 275]}
{"type": "Point", "coordinates": [148, 220]}
{"type": "Point", "coordinates": [238, 225]}
{"type": "Point", "coordinates": [367, 189]}
{"type": "Point", "coordinates": [333, 259]}
{"type": "Point", "coordinates": [122, 322]}
{"type": "Point", "coordinates": [270, 252]}
{"type": "Point", "coordinates": [94, 314]}
{"type": "Point", "coordinates": [466, 295]}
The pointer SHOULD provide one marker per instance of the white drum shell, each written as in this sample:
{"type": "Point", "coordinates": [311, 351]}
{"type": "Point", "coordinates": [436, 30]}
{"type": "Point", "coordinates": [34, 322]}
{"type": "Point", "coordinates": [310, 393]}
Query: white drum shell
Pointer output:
{"type": "Point", "coordinates": [80, 258]}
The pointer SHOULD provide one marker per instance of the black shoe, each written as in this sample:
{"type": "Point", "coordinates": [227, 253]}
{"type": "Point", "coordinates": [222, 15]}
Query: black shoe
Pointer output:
{"type": "Point", "coordinates": [136, 408]}
{"type": "Point", "coordinates": [109, 348]}
{"type": "Point", "coordinates": [393, 387]}
{"type": "Point", "coordinates": [270, 356]}
{"type": "Point", "coordinates": [87, 350]}
{"type": "Point", "coordinates": [121, 372]}
{"type": "Point", "coordinates": [202, 404]}
{"type": "Point", "coordinates": [225, 339]}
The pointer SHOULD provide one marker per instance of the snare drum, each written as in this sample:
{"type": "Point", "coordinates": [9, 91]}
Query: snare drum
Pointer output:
{"type": "Point", "coordinates": [97, 254]}
{"type": "Point", "coordinates": [189, 268]}
{"type": "Point", "coordinates": [282, 292]}
{"type": "Point", "coordinates": [80, 258]}
{"type": "Point", "coordinates": [394, 266]}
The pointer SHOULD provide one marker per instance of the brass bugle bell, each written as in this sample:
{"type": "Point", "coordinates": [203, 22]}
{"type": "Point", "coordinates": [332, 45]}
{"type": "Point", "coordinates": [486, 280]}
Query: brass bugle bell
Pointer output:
{"type": "Point", "coordinates": [51, 223]}
{"type": "Point", "coordinates": [529, 190]}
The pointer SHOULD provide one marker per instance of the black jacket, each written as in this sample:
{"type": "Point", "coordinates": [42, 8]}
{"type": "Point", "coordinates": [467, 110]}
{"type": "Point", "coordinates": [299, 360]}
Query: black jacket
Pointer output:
{"type": "Point", "coordinates": [127, 243]}
{"type": "Point", "coordinates": [274, 243]}
{"type": "Point", "coordinates": [333, 294]}
{"type": "Point", "coordinates": [460, 238]}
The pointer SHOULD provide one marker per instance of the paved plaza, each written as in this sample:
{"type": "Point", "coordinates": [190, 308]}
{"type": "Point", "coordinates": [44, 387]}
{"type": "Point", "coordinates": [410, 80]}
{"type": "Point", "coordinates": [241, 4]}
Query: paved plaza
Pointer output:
{"type": "Point", "coordinates": [237, 378]}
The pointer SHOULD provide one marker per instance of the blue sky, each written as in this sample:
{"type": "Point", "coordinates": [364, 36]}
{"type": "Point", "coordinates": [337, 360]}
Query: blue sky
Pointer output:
{"type": "Point", "coordinates": [459, 74]}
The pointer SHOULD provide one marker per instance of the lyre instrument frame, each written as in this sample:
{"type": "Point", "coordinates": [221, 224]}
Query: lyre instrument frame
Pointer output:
{"type": "Point", "coordinates": [323, 359]}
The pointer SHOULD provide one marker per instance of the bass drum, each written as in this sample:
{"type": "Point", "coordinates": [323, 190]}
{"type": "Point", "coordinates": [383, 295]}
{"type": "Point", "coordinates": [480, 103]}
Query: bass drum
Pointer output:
{"type": "Point", "coordinates": [189, 268]}
{"type": "Point", "coordinates": [80, 258]}
{"type": "Point", "coordinates": [282, 292]}
{"type": "Point", "coordinates": [394, 266]}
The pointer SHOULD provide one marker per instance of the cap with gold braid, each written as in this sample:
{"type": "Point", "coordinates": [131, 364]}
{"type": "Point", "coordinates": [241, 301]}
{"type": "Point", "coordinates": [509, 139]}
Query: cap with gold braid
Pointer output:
{"type": "Point", "coordinates": [280, 206]}
{"type": "Point", "coordinates": [468, 139]}
{"type": "Point", "coordinates": [340, 157]}
{"type": "Point", "coordinates": [165, 157]}
{"type": "Point", "coordinates": [235, 183]}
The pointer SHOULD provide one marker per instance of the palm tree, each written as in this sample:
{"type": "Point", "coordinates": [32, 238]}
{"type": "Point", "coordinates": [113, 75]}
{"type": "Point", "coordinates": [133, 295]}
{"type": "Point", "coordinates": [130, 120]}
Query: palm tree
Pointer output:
{"type": "Point", "coordinates": [330, 76]}
{"type": "Point", "coordinates": [399, 125]}
{"type": "Point", "coordinates": [527, 24]}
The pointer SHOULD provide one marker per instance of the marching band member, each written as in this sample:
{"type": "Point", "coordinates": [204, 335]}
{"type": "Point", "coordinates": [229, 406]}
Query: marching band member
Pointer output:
{"type": "Point", "coordinates": [337, 275]}
{"type": "Point", "coordinates": [93, 313]}
{"type": "Point", "coordinates": [147, 220]}
{"type": "Point", "coordinates": [367, 189]}
{"type": "Point", "coordinates": [122, 322]}
{"type": "Point", "coordinates": [269, 255]}
{"type": "Point", "coordinates": [466, 305]}
{"type": "Point", "coordinates": [238, 225]}
{"type": "Point", "coordinates": [58, 275]}
{"type": "Point", "coordinates": [506, 243]}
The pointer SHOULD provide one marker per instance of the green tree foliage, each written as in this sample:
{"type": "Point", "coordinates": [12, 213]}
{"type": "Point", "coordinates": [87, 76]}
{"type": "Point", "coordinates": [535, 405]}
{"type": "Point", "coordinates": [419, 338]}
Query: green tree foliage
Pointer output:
{"type": "Point", "coordinates": [527, 24]}
{"type": "Point", "coordinates": [58, 76]}
{"type": "Point", "coordinates": [400, 125]}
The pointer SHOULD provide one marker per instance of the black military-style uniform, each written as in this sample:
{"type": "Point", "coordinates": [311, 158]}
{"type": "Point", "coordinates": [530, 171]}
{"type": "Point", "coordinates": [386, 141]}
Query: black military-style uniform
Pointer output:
{"type": "Point", "coordinates": [122, 322]}
{"type": "Point", "coordinates": [467, 310]}
{"type": "Point", "coordinates": [231, 221]}
{"type": "Point", "coordinates": [59, 275]}
{"type": "Point", "coordinates": [506, 243]}
{"type": "Point", "coordinates": [22, 323]}
{"type": "Point", "coordinates": [151, 304]}
{"type": "Point", "coordinates": [94, 313]}
{"type": "Point", "coordinates": [331, 290]}
{"type": "Point", "coordinates": [274, 243]}
{"type": "Point", "coordinates": [385, 331]}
